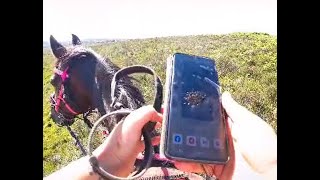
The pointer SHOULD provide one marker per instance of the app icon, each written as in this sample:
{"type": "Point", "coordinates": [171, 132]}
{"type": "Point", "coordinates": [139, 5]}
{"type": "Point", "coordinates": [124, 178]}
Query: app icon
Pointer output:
{"type": "Point", "coordinates": [177, 138]}
{"type": "Point", "coordinates": [217, 144]}
{"type": "Point", "coordinates": [191, 141]}
{"type": "Point", "coordinates": [204, 142]}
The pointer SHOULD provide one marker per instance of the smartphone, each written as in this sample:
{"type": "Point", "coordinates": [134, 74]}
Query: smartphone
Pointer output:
{"type": "Point", "coordinates": [193, 127]}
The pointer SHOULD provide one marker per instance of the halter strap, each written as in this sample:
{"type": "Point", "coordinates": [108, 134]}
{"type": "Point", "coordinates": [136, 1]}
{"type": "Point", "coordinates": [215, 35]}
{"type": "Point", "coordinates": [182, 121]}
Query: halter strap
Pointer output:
{"type": "Point", "coordinates": [64, 75]}
{"type": "Point", "coordinates": [60, 98]}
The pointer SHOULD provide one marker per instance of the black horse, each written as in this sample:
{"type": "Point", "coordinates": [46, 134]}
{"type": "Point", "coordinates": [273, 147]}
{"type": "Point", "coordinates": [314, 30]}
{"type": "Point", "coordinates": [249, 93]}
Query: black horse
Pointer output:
{"type": "Point", "coordinates": [82, 82]}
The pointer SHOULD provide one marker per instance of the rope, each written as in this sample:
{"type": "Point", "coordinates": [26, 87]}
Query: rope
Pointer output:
{"type": "Point", "coordinates": [77, 141]}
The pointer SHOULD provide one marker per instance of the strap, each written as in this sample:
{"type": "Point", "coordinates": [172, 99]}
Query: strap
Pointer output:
{"type": "Point", "coordinates": [139, 69]}
{"type": "Point", "coordinates": [146, 130]}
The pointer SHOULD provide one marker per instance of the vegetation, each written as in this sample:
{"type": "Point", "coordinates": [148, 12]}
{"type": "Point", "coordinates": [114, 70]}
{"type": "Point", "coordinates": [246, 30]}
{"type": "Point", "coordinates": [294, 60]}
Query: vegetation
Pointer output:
{"type": "Point", "coordinates": [246, 63]}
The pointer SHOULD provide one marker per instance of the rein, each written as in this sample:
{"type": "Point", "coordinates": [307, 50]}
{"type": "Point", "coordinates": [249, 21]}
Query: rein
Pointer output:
{"type": "Point", "coordinates": [146, 131]}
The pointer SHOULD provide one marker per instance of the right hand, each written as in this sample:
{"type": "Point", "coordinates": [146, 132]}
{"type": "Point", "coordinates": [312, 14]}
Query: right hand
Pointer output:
{"type": "Point", "coordinates": [252, 137]}
{"type": "Point", "coordinates": [256, 140]}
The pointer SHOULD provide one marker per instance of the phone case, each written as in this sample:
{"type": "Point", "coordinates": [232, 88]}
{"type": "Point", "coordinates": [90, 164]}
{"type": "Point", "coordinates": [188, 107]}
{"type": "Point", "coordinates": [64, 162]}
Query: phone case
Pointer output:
{"type": "Point", "coordinates": [164, 130]}
{"type": "Point", "coordinates": [164, 133]}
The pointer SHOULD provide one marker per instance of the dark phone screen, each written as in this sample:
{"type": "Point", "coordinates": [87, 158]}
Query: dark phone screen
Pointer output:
{"type": "Point", "coordinates": [196, 128]}
{"type": "Point", "coordinates": [197, 85]}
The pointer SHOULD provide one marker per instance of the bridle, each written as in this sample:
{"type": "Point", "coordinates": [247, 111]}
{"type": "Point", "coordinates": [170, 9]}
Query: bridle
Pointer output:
{"type": "Point", "coordinates": [58, 117]}
{"type": "Point", "coordinates": [64, 75]}
{"type": "Point", "coordinates": [63, 97]}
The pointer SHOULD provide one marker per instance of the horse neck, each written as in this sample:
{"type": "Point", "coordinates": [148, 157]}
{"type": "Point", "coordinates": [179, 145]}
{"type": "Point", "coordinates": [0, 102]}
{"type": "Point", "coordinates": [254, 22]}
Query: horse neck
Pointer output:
{"type": "Point", "coordinates": [132, 97]}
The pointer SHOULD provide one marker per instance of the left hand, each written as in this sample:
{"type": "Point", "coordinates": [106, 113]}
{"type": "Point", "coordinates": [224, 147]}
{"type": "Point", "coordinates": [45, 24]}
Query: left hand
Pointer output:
{"type": "Point", "coordinates": [118, 152]}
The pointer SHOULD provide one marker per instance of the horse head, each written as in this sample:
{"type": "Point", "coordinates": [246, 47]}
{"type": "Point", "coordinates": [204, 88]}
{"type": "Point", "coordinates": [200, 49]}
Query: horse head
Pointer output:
{"type": "Point", "coordinates": [82, 81]}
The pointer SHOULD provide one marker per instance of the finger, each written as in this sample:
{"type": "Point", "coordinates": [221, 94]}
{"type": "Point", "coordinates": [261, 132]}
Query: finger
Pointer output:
{"type": "Point", "coordinates": [140, 146]}
{"type": "Point", "coordinates": [234, 110]}
{"type": "Point", "coordinates": [249, 129]}
{"type": "Point", "coordinates": [145, 114]}
{"type": "Point", "coordinates": [138, 118]}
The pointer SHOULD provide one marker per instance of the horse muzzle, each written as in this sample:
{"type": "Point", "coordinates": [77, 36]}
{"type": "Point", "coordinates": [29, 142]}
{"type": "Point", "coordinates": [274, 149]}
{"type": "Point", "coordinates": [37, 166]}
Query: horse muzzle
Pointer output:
{"type": "Point", "coordinates": [58, 117]}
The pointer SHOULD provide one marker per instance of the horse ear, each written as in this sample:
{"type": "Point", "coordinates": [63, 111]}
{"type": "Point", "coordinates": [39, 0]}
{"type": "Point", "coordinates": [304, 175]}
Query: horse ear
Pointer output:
{"type": "Point", "coordinates": [57, 49]}
{"type": "Point", "coordinates": [75, 40]}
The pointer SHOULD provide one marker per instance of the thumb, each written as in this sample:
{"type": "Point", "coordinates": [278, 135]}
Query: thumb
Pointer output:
{"type": "Point", "coordinates": [235, 111]}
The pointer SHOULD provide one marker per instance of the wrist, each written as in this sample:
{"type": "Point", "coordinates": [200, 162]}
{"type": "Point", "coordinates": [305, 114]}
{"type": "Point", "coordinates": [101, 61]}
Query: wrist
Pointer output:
{"type": "Point", "coordinates": [114, 155]}
{"type": "Point", "coordinates": [79, 169]}
{"type": "Point", "coordinates": [110, 162]}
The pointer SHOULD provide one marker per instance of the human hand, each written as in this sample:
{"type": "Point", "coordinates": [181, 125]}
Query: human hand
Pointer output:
{"type": "Point", "coordinates": [249, 134]}
{"type": "Point", "coordinates": [118, 152]}
{"type": "Point", "coordinates": [255, 139]}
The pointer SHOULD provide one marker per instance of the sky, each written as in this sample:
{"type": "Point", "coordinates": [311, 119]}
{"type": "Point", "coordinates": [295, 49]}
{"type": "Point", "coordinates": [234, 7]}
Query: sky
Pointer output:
{"type": "Point", "coordinates": [132, 19]}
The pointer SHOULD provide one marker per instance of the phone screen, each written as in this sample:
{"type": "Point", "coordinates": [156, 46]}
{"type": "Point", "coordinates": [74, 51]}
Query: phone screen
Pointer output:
{"type": "Point", "coordinates": [195, 126]}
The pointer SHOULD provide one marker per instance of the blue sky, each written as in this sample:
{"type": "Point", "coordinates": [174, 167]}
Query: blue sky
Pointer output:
{"type": "Point", "coordinates": [130, 19]}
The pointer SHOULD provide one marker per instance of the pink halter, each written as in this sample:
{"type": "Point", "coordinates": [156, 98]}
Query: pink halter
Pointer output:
{"type": "Point", "coordinates": [64, 75]}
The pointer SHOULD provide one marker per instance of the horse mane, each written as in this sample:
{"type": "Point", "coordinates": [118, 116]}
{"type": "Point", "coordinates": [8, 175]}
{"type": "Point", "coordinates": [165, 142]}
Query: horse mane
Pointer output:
{"type": "Point", "coordinates": [128, 94]}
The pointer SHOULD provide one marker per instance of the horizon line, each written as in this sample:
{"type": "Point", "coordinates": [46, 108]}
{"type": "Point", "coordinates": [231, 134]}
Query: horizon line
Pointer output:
{"type": "Point", "coordinates": [154, 37]}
